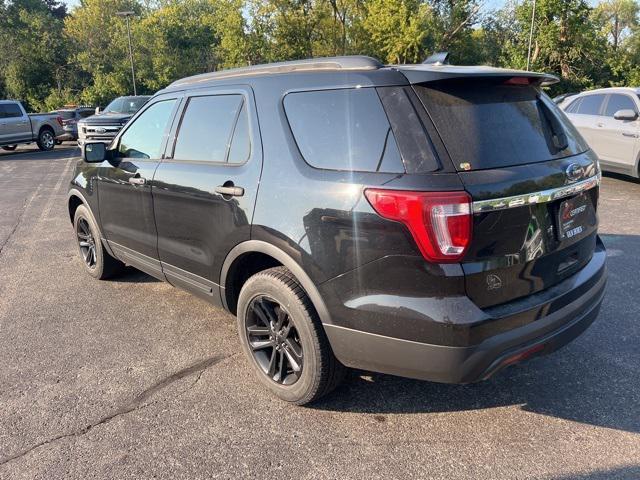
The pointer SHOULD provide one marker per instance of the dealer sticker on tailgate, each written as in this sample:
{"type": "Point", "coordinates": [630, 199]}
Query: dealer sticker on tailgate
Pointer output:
{"type": "Point", "coordinates": [573, 216]}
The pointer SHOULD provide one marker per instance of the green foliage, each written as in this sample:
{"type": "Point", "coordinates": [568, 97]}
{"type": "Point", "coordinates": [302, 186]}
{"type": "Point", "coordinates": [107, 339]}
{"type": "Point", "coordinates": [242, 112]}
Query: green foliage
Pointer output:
{"type": "Point", "coordinates": [33, 62]}
{"type": "Point", "coordinates": [54, 58]}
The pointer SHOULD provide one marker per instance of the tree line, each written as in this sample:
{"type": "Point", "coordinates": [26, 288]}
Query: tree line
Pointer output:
{"type": "Point", "coordinates": [52, 56]}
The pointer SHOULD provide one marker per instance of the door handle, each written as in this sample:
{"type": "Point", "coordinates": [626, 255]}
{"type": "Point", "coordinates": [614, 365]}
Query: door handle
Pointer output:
{"type": "Point", "coordinates": [600, 125]}
{"type": "Point", "coordinates": [137, 180]}
{"type": "Point", "coordinates": [230, 191]}
{"type": "Point", "coordinates": [632, 135]}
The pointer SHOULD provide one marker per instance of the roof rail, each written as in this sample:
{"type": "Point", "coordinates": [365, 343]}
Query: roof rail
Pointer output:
{"type": "Point", "coordinates": [352, 62]}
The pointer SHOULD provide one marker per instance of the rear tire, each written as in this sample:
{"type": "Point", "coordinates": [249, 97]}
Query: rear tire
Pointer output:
{"type": "Point", "coordinates": [10, 148]}
{"type": "Point", "coordinates": [277, 295]}
{"type": "Point", "coordinates": [46, 139]}
{"type": "Point", "coordinates": [95, 259]}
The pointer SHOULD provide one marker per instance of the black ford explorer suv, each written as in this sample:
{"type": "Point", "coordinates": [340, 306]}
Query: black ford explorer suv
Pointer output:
{"type": "Point", "coordinates": [430, 221]}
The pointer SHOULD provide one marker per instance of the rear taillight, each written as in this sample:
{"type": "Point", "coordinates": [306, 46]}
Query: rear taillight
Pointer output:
{"type": "Point", "coordinates": [59, 119]}
{"type": "Point", "coordinates": [440, 222]}
{"type": "Point", "coordinates": [522, 81]}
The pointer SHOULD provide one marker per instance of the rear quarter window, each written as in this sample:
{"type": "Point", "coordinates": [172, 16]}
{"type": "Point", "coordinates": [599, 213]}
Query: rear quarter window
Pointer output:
{"type": "Point", "coordinates": [486, 125]}
{"type": "Point", "coordinates": [343, 130]}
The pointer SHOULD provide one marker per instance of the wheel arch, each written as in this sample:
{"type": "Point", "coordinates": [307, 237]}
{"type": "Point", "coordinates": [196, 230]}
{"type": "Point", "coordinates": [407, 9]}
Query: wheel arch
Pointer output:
{"type": "Point", "coordinates": [46, 126]}
{"type": "Point", "coordinates": [252, 247]}
{"type": "Point", "coordinates": [75, 198]}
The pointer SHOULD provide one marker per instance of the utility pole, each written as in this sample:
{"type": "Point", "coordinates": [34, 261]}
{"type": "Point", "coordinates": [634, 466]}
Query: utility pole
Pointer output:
{"type": "Point", "coordinates": [126, 15]}
{"type": "Point", "coordinates": [533, 17]}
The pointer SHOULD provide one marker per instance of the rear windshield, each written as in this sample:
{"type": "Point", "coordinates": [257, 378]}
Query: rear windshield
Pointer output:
{"type": "Point", "coordinates": [487, 124]}
{"type": "Point", "coordinates": [126, 104]}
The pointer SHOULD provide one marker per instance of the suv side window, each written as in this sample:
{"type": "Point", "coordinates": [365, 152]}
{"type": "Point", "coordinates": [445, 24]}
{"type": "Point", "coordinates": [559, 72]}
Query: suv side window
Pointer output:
{"type": "Point", "coordinates": [343, 130]}
{"type": "Point", "coordinates": [214, 128]}
{"type": "Point", "coordinates": [617, 102]}
{"type": "Point", "coordinates": [590, 105]}
{"type": "Point", "coordinates": [144, 137]}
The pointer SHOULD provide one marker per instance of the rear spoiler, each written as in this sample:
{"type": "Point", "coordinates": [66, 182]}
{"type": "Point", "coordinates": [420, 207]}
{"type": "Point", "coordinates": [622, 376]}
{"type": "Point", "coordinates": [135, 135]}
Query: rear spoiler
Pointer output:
{"type": "Point", "coordinates": [434, 72]}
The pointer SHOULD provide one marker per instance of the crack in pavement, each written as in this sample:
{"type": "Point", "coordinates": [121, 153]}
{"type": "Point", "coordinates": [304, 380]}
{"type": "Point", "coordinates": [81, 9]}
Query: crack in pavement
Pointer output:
{"type": "Point", "coordinates": [138, 403]}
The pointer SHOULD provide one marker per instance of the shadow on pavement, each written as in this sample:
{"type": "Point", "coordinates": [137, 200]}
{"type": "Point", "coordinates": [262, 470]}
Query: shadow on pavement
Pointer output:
{"type": "Point", "coordinates": [594, 380]}
{"type": "Point", "coordinates": [628, 472]}
{"type": "Point", "coordinates": [619, 176]}
{"type": "Point", "coordinates": [36, 154]}
{"type": "Point", "coordinates": [133, 275]}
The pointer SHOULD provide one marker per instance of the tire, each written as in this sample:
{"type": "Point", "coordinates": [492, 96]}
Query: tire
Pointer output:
{"type": "Point", "coordinates": [275, 294]}
{"type": "Point", "coordinates": [46, 139]}
{"type": "Point", "coordinates": [96, 261]}
{"type": "Point", "coordinates": [10, 148]}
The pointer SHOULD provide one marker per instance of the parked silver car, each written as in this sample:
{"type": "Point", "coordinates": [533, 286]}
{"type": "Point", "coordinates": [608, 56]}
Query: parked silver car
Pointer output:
{"type": "Point", "coordinates": [608, 120]}
{"type": "Point", "coordinates": [16, 127]}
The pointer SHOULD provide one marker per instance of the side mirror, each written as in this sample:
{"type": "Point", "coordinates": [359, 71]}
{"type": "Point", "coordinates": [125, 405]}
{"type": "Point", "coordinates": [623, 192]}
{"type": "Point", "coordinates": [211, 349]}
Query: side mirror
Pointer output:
{"type": "Point", "coordinates": [626, 114]}
{"type": "Point", "coordinates": [95, 152]}
{"type": "Point", "coordinates": [97, 110]}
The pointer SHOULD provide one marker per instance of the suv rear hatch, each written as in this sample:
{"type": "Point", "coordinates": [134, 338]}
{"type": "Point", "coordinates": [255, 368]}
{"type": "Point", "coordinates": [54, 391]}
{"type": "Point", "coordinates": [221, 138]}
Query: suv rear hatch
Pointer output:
{"type": "Point", "coordinates": [532, 179]}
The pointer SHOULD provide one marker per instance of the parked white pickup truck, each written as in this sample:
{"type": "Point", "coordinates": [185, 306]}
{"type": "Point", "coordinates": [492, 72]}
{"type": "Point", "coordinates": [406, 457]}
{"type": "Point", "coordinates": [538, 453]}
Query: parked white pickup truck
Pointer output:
{"type": "Point", "coordinates": [16, 127]}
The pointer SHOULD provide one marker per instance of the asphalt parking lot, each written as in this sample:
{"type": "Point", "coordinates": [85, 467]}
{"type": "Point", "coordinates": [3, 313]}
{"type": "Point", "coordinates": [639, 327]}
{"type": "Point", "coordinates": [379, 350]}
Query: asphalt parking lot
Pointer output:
{"type": "Point", "coordinates": [131, 378]}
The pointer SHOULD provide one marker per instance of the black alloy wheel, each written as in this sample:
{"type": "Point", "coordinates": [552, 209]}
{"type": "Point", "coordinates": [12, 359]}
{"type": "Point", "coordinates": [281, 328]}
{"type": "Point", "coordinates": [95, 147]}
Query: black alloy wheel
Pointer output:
{"type": "Point", "coordinates": [274, 340]}
{"type": "Point", "coordinates": [87, 243]}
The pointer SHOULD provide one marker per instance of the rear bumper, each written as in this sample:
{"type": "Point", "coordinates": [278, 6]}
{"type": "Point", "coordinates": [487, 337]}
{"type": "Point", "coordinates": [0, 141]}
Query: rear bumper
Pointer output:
{"type": "Point", "coordinates": [573, 309]}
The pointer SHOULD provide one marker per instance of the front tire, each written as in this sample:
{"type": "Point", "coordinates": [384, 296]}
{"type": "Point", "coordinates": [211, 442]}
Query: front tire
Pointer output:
{"type": "Point", "coordinates": [10, 148]}
{"type": "Point", "coordinates": [283, 339]}
{"type": "Point", "coordinates": [46, 139]}
{"type": "Point", "coordinates": [95, 259]}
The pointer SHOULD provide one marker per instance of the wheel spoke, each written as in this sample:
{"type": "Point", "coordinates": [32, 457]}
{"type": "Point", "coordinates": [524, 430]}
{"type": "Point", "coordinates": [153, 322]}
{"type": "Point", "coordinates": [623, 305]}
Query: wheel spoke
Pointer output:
{"type": "Point", "coordinates": [271, 371]}
{"type": "Point", "coordinates": [258, 331]}
{"type": "Point", "coordinates": [292, 361]}
{"type": "Point", "coordinates": [85, 244]}
{"type": "Point", "coordinates": [294, 349]}
{"type": "Point", "coordinates": [261, 344]}
{"type": "Point", "coordinates": [282, 372]}
{"type": "Point", "coordinates": [282, 315]}
{"type": "Point", "coordinates": [260, 310]}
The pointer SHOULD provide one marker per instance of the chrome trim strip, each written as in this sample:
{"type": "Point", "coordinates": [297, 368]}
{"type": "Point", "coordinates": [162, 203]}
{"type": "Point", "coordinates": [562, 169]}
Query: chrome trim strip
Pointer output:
{"type": "Point", "coordinates": [533, 198]}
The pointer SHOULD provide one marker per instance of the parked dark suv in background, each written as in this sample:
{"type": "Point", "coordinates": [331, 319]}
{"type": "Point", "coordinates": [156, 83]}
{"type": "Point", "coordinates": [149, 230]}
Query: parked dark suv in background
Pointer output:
{"type": "Point", "coordinates": [430, 221]}
{"type": "Point", "coordinates": [104, 126]}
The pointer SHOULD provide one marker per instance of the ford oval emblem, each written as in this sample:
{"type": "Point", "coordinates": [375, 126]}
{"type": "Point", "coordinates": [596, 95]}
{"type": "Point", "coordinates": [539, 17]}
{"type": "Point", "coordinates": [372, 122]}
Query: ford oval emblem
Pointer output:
{"type": "Point", "coordinates": [101, 130]}
{"type": "Point", "coordinates": [574, 172]}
